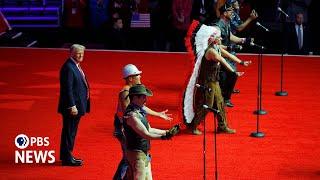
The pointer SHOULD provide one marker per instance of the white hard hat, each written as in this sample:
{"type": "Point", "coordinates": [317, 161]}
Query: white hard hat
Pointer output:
{"type": "Point", "coordinates": [130, 70]}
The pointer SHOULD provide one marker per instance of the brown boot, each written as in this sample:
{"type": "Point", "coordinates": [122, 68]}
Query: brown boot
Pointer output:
{"type": "Point", "coordinates": [226, 130]}
{"type": "Point", "coordinates": [196, 131]}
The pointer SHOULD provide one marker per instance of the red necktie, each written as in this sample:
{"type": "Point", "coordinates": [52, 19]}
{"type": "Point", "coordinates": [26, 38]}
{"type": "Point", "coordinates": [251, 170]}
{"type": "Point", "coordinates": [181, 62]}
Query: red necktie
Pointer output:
{"type": "Point", "coordinates": [84, 79]}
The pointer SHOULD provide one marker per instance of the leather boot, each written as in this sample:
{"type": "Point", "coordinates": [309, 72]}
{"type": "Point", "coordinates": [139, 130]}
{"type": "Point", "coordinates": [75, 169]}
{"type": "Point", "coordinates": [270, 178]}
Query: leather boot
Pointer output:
{"type": "Point", "coordinates": [225, 130]}
{"type": "Point", "coordinates": [196, 131]}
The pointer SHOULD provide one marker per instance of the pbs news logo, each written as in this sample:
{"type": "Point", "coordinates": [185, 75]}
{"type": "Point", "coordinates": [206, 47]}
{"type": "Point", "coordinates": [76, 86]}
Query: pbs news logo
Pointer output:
{"type": "Point", "coordinates": [22, 141]}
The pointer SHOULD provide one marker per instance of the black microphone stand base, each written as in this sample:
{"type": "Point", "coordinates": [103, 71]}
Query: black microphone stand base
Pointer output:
{"type": "Point", "coordinates": [257, 134]}
{"type": "Point", "coordinates": [281, 93]}
{"type": "Point", "coordinates": [260, 112]}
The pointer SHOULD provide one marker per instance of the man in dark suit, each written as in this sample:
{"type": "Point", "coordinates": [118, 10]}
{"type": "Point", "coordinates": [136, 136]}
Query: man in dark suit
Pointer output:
{"type": "Point", "coordinates": [203, 11]}
{"type": "Point", "coordinates": [297, 37]}
{"type": "Point", "coordinates": [73, 103]}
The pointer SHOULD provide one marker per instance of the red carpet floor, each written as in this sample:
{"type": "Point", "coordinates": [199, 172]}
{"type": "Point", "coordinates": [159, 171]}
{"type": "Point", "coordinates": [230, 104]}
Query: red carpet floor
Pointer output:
{"type": "Point", "coordinates": [290, 150]}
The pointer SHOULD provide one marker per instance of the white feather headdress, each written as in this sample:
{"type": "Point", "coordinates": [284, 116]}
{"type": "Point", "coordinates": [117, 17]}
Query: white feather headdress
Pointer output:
{"type": "Point", "coordinates": [197, 42]}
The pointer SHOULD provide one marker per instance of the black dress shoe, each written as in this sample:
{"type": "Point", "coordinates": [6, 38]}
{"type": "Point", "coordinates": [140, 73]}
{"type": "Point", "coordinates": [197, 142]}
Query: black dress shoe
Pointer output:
{"type": "Point", "coordinates": [236, 91]}
{"type": "Point", "coordinates": [229, 103]}
{"type": "Point", "coordinates": [77, 159]}
{"type": "Point", "coordinates": [71, 162]}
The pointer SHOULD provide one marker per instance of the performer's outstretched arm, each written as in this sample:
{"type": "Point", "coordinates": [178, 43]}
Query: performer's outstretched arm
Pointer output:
{"type": "Point", "coordinates": [162, 114]}
{"type": "Point", "coordinates": [252, 17]}
{"type": "Point", "coordinates": [236, 39]}
{"type": "Point", "coordinates": [134, 122]}
{"type": "Point", "coordinates": [212, 54]}
{"type": "Point", "coordinates": [234, 58]}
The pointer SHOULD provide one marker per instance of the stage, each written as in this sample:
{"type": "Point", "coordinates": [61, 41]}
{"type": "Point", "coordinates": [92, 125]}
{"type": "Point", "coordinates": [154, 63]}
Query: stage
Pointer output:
{"type": "Point", "coordinates": [29, 86]}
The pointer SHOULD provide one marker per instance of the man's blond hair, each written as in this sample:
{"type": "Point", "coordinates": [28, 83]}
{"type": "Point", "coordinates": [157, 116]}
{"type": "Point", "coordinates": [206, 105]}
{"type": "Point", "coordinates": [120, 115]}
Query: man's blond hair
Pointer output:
{"type": "Point", "coordinates": [77, 47]}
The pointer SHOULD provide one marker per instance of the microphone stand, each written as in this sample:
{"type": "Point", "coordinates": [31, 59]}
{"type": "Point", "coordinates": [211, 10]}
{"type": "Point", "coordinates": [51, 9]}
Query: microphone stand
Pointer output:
{"type": "Point", "coordinates": [204, 147]}
{"type": "Point", "coordinates": [215, 112]}
{"type": "Point", "coordinates": [281, 92]}
{"type": "Point", "coordinates": [259, 110]}
{"type": "Point", "coordinates": [203, 90]}
{"type": "Point", "coordinates": [215, 145]}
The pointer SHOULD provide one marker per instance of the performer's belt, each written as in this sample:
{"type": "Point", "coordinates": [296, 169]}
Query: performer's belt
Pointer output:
{"type": "Point", "coordinates": [145, 155]}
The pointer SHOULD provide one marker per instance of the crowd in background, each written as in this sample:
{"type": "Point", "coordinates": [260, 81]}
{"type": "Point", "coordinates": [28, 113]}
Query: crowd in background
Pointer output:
{"type": "Point", "coordinates": [108, 22]}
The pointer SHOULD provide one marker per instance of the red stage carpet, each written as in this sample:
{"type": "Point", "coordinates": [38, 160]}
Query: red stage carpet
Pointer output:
{"type": "Point", "coordinates": [290, 150]}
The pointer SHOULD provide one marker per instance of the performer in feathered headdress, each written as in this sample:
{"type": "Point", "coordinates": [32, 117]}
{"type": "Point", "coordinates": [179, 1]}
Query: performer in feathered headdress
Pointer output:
{"type": "Point", "coordinates": [203, 43]}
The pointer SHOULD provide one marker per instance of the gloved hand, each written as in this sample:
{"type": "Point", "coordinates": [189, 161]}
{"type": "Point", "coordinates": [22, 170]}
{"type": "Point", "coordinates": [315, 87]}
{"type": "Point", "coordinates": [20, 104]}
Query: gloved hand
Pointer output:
{"type": "Point", "coordinates": [233, 48]}
{"type": "Point", "coordinates": [171, 132]}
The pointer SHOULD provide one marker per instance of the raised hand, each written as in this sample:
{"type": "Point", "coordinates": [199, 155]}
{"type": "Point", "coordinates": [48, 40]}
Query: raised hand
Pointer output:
{"type": "Point", "coordinates": [246, 63]}
{"type": "Point", "coordinates": [239, 73]}
{"type": "Point", "coordinates": [165, 116]}
{"type": "Point", "coordinates": [253, 14]}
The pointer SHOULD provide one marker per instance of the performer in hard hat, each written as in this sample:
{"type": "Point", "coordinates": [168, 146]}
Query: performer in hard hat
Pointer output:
{"type": "Point", "coordinates": [132, 76]}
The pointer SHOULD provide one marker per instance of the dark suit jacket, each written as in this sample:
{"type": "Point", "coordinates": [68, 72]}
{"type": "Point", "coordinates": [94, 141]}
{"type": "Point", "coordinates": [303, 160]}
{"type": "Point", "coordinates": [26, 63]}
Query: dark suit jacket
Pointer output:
{"type": "Point", "coordinates": [210, 15]}
{"type": "Point", "coordinates": [73, 89]}
{"type": "Point", "coordinates": [292, 45]}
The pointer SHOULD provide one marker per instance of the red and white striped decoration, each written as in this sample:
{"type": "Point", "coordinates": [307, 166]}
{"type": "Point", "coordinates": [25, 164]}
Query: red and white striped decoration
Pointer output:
{"type": "Point", "coordinates": [140, 20]}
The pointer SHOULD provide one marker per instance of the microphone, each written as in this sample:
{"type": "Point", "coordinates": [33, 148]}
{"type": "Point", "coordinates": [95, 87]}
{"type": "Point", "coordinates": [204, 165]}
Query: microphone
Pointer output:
{"type": "Point", "coordinates": [210, 109]}
{"type": "Point", "coordinates": [204, 88]}
{"type": "Point", "coordinates": [260, 25]}
{"type": "Point", "coordinates": [256, 45]}
{"type": "Point", "coordinates": [284, 13]}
